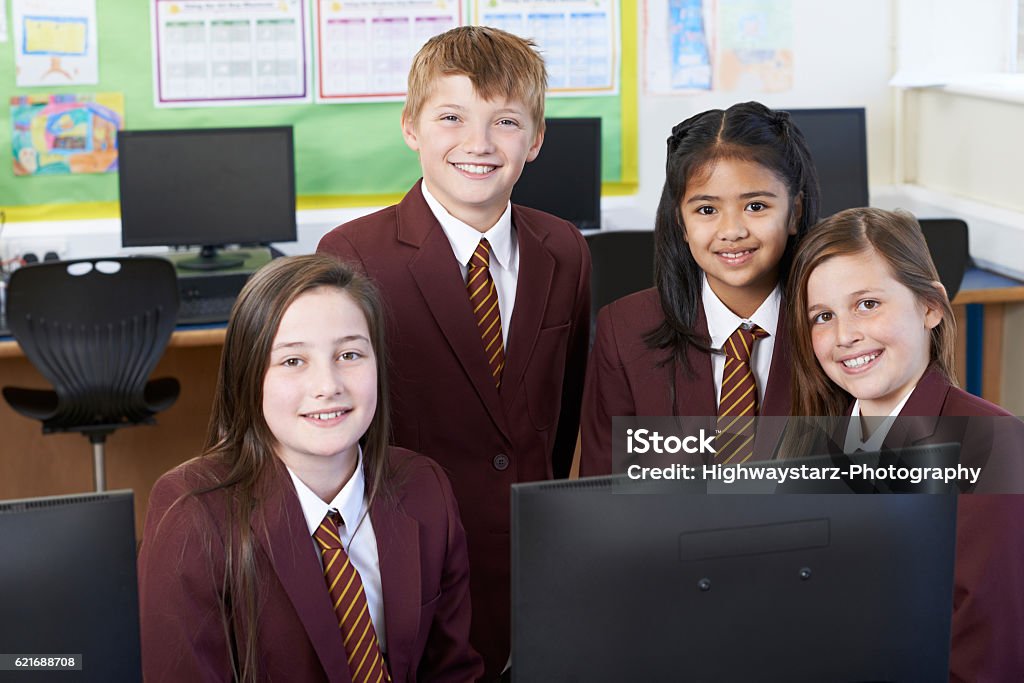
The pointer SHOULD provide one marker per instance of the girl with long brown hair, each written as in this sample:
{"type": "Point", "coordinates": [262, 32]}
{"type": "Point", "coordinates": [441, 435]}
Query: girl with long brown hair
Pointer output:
{"type": "Point", "coordinates": [873, 335]}
{"type": "Point", "coordinates": [300, 545]}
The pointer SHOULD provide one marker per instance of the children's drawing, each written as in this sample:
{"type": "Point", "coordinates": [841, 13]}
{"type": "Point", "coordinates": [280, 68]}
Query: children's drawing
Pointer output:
{"type": "Point", "coordinates": [63, 134]}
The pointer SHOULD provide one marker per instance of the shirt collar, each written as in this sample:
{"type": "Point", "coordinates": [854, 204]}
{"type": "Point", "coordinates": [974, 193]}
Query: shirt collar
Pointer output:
{"type": "Point", "coordinates": [350, 501]}
{"type": "Point", "coordinates": [722, 322]}
{"type": "Point", "coordinates": [465, 238]}
{"type": "Point", "coordinates": [855, 437]}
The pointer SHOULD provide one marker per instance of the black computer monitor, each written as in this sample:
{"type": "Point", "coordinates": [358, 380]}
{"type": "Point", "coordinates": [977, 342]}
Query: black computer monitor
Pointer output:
{"type": "Point", "coordinates": [68, 583]}
{"type": "Point", "coordinates": [611, 582]}
{"type": "Point", "coordinates": [565, 178]}
{"type": "Point", "coordinates": [837, 139]}
{"type": "Point", "coordinates": [207, 187]}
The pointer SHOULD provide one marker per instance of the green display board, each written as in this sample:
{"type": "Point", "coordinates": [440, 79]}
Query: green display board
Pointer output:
{"type": "Point", "coordinates": [345, 154]}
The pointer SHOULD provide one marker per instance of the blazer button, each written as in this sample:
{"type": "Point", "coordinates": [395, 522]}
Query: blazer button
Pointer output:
{"type": "Point", "coordinates": [500, 462]}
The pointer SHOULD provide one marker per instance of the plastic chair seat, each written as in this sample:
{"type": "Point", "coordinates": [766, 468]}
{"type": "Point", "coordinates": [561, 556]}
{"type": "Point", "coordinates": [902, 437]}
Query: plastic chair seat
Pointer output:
{"type": "Point", "coordinates": [44, 405]}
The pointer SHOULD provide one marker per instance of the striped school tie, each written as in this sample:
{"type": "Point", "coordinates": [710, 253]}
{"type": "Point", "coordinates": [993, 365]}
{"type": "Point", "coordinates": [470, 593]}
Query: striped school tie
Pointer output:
{"type": "Point", "coordinates": [365, 662]}
{"type": "Point", "coordinates": [738, 406]}
{"type": "Point", "coordinates": [483, 298]}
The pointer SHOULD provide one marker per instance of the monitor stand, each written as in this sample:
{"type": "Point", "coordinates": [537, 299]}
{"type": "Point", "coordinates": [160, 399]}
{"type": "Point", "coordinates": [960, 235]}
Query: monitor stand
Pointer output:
{"type": "Point", "coordinates": [210, 259]}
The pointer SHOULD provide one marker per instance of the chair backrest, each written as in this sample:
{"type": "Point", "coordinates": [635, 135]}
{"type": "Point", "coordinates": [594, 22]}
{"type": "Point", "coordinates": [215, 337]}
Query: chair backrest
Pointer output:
{"type": "Point", "coordinates": [622, 263]}
{"type": "Point", "coordinates": [947, 242]}
{"type": "Point", "coordinates": [95, 329]}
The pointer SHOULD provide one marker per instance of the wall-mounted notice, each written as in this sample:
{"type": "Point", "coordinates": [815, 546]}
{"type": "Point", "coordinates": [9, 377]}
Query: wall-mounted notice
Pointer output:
{"type": "Point", "coordinates": [755, 43]}
{"type": "Point", "coordinates": [365, 48]}
{"type": "Point", "coordinates": [579, 39]}
{"type": "Point", "coordinates": [677, 46]}
{"type": "Point", "coordinates": [62, 134]}
{"type": "Point", "coordinates": [228, 52]}
{"type": "Point", "coordinates": [55, 42]}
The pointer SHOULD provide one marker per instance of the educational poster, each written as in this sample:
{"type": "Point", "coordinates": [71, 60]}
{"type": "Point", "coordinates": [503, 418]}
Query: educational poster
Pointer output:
{"type": "Point", "coordinates": [55, 42]}
{"type": "Point", "coordinates": [3, 21]}
{"type": "Point", "coordinates": [229, 52]}
{"type": "Point", "coordinates": [579, 39]}
{"type": "Point", "coordinates": [755, 45]}
{"type": "Point", "coordinates": [678, 46]}
{"type": "Point", "coordinates": [63, 134]}
{"type": "Point", "coordinates": [365, 49]}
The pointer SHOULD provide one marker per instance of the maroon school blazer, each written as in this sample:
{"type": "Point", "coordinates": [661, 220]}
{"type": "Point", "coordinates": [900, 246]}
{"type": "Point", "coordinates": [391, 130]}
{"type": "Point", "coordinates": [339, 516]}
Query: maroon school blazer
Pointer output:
{"type": "Point", "coordinates": [444, 402]}
{"type": "Point", "coordinates": [988, 596]}
{"type": "Point", "coordinates": [423, 566]}
{"type": "Point", "coordinates": [625, 377]}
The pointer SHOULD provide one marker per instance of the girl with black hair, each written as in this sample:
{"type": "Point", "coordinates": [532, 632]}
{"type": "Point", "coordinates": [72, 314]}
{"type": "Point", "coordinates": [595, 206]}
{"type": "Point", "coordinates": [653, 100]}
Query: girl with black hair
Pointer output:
{"type": "Point", "coordinates": [709, 339]}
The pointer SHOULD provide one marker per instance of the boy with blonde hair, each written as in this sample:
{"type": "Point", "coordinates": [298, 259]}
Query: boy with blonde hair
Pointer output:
{"type": "Point", "coordinates": [490, 302]}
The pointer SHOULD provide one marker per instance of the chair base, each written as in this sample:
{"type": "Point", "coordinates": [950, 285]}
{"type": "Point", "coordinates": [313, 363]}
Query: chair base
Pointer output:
{"type": "Point", "coordinates": [99, 473]}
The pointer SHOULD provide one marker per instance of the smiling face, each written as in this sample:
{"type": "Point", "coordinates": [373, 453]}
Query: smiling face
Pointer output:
{"type": "Point", "coordinates": [320, 390]}
{"type": "Point", "coordinates": [870, 333]}
{"type": "Point", "coordinates": [472, 150]}
{"type": "Point", "coordinates": [737, 222]}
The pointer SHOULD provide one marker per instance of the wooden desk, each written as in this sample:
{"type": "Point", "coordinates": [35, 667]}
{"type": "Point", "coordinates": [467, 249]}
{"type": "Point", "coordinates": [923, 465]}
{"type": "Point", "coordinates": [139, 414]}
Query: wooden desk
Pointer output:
{"type": "Point", "coordinates": [32, 464]}
{"type": "Point", "coordinates": [980, 309]}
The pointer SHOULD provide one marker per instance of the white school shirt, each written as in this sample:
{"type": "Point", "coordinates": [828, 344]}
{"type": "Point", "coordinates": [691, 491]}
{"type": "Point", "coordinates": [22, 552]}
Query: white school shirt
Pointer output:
{"type": "Point", "coordinates": [855, 436]}
{"type": "Point", "coordinates": [356, 534]}
{"type": "Point", "coordinates": [504, 253]}
{"type": "Point", "coordinates": [722, 323]}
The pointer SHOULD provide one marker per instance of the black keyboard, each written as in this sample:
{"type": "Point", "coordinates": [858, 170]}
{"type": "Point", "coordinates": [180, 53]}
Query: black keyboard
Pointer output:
{"type": "Point", "coordinates": [205, 310]}
{"type": "Point", "coordinates": [207, 298]}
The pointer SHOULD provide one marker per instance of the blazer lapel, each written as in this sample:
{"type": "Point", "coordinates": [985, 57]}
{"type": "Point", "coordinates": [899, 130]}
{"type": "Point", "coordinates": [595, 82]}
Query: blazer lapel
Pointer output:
{"type": "Point", "coordinates": [398, 549]}
{"type": "Point", "coordinates": [920, 415]}
{"type": "Point", "coordinates": [437, 276]}
{"type": "Point", "coordinates": [531, 299]}
{"type": "Point", "coordinates": [776, 405]}
{"type": "Point", "coordinates": [286, 541]}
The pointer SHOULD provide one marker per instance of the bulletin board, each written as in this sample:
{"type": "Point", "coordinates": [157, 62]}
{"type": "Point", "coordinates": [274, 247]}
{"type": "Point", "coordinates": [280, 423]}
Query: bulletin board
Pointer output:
{"type": "Point", "coordinates": [346, 155]}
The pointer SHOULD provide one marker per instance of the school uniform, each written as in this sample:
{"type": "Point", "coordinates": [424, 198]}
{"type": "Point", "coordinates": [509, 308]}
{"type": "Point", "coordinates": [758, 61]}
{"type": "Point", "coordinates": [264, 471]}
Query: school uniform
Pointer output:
{"type": "Point", "coordinates": [423, 574]}
{"type": "Point", "coordinates": [444, 400]}
{"type": "Point", "coordinates": [626, 377]}
{"type": "Point", "coordinates": [988, 597]}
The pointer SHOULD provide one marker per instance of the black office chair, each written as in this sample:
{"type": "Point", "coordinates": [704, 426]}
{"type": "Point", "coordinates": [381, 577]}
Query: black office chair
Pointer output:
{"type": "Point", "coordinates": [948, 244]}
{"type": "Point", "coordinates": [622, 263]}
{"type": "Point", "coordinates": [95, 329]}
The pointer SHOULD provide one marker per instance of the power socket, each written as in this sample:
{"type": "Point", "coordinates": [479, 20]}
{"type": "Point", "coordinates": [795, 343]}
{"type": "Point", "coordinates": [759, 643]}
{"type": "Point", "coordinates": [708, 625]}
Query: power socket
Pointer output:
{"type": "Point", "coordinates": [15, 248]}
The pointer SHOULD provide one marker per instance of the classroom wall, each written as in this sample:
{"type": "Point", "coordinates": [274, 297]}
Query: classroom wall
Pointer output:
{"type": "Point", "coordinates": [966, 144]}
{"type": "Point", "coordinates": [833, 67]}
{"type": "Point", "coordinates": [959, 135]}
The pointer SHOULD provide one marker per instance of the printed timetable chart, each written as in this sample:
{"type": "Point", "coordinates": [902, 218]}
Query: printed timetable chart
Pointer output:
{"type": "Point", "coordinates": [579, 39]}
{"type": "Point", "coordinates": [225, 52]}
{"type": "Point", "coordinates": [365, 49]}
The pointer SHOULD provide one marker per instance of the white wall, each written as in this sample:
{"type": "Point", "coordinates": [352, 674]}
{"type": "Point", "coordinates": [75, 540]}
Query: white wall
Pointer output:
{"type": "Point", "coordinates": [962, 141]}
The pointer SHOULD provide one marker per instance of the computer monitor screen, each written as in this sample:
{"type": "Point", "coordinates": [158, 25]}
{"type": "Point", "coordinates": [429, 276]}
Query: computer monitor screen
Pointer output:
{"type": "Point", "coordinates": [837, 139]}
{"type": "Point", "coordinates": [68, 583]}
{"type": "Point", "coordinates": [207, 187]}
{"type": "Point", "coordinates": [565, 178]}
{"type": "Point", "coordinates": [613, 582]}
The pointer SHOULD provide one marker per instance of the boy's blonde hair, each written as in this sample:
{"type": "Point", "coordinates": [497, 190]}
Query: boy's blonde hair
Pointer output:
{"type": "Point", "coordinates": [499, 64]}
